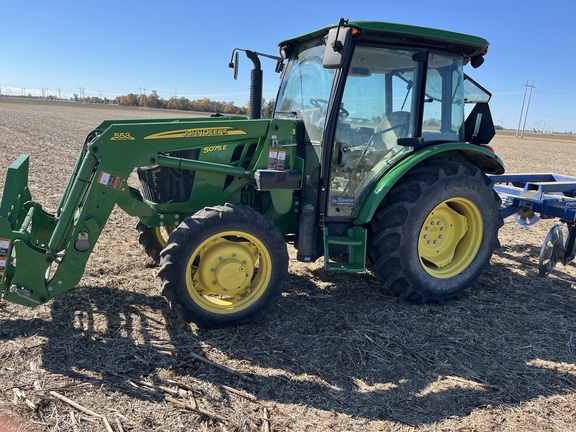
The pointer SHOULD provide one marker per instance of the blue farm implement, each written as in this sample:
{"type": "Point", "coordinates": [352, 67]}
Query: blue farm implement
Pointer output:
{"type": "Point", "coordinates": [531, 197]}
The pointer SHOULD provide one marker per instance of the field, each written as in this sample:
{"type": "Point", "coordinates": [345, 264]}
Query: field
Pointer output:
{"type": "Point", "coordinates": [336, 353]}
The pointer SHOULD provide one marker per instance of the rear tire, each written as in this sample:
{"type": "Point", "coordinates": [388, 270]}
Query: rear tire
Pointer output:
{"type": "Point", "coordinates": [435, 231]}
{"type": "Point", "coordinates": [223, 266]}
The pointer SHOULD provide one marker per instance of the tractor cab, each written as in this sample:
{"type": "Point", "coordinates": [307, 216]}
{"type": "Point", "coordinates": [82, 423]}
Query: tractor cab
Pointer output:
{"type": "Point", "coordinates": [368, 95]}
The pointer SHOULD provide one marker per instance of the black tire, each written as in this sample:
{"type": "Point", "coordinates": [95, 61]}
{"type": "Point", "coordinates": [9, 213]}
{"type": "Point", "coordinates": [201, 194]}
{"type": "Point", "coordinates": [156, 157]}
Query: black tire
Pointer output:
{"type": "Point", "coordinates": [223, 266]}
{"type": "Point", "coordinates": [153, 239]}
{"type": "Point", "coordinates": [435, 231]}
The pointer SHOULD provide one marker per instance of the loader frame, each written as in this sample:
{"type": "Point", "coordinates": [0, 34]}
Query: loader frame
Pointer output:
{"type": "Point", "coordinates": [55, 248]}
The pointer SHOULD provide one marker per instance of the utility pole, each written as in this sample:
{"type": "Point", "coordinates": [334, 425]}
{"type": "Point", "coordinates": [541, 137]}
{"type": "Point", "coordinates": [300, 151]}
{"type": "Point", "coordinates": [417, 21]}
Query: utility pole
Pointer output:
{"type": "Point", "coordinates": [527, 107]}
{"type": "Point", "coordinates": [526, 87]}
{"type": "Point", "coordinates": [143, 92]}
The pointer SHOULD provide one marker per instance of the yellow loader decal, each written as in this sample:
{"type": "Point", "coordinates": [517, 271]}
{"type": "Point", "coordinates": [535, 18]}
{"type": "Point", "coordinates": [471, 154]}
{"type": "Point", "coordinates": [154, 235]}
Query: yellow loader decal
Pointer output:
{"type": "Point", "coordinates": [197, 133]}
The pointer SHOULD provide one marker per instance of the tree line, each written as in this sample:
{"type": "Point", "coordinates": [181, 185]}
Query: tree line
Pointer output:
{"type": "Point", "coordinates": [179, 103]}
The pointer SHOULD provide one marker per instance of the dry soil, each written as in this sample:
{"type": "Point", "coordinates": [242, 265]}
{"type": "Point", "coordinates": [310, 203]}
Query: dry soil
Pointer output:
{"type": "Point", "coordinates": [335, 353]}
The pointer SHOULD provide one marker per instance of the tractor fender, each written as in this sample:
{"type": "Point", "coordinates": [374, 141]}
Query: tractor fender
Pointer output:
{"type": "Point", "coordinates": [481, 156]}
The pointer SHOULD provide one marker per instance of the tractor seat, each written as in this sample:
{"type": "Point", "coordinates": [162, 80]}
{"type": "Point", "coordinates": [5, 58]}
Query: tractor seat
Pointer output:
{"type": "Point", "coordinates": [393, 126]}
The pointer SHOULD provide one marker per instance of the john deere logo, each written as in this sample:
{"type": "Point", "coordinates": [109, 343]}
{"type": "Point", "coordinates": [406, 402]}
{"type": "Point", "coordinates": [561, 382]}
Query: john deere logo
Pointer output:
{"type": "Point", "coordinates": [197, 133]}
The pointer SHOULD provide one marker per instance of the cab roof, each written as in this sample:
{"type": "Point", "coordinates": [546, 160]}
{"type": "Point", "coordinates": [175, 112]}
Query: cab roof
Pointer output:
{"type": "Point", "coordinates": [386, 33]}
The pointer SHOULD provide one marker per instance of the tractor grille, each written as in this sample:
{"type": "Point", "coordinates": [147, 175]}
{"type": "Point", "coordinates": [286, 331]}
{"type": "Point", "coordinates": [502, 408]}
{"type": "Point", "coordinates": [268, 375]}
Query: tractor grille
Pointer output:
{"type": "Point", "coordinates": [166, 185]}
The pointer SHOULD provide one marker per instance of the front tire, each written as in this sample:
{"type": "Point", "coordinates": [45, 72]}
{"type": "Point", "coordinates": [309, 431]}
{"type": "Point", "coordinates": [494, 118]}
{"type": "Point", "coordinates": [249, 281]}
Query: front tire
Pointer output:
{"type": "Point", "coordinates": [223, 266]}
{"type": "Point", "coordinates": [435, 231]}
{"type": "Point", "coordinates": [153, 239]}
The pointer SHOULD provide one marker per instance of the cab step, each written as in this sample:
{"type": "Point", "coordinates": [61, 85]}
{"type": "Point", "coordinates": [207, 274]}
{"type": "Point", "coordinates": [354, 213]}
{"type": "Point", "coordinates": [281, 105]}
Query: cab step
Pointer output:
{"type": "Point", "coordinates": [354, 259]}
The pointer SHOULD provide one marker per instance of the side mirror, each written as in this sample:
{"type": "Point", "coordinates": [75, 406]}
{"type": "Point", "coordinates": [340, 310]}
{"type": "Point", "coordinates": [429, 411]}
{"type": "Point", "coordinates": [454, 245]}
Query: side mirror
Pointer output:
{"type": "Point", "coordinates": [234, 64]}
{"type": "Point", "coordinates": [279, 66]}
{"type": "Point", "coordinates": [338, 43]}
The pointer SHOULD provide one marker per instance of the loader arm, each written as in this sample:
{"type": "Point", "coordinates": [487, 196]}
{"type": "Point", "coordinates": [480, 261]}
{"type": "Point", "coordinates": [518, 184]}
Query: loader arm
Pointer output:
{"type": "Point", "coordinates": [43, 255]}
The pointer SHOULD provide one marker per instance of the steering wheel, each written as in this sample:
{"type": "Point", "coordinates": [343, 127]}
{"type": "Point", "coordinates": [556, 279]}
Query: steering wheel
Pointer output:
{"type": "Point", "coordinates": [393, 121]}
{"type": "Point", "coordinates": [396, 120]}
{"type": "Point", "coordinates": [317, 103]}
{"type": "Point", "coordinates": [389, 129]}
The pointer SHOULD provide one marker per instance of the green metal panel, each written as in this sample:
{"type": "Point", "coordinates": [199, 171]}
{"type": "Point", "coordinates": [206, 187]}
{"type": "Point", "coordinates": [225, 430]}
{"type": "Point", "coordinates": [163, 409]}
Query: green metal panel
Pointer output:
{"type": "Point", "coordinates": [478, 155]}
{"type": "Point", "coordinates": [426, 33]}
{"type": "Point", "coordinates": [27, 286]}
{"type": "Point", "coordinates": [401, 34]}
{"type": "Point", "coordinates": [16, 192]}
{"type": "Point", "coordinates": [130, 200]}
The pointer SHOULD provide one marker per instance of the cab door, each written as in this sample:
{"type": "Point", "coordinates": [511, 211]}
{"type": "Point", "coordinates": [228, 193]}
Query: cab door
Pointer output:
{"type": "Point", "coordinates": [376, 110]}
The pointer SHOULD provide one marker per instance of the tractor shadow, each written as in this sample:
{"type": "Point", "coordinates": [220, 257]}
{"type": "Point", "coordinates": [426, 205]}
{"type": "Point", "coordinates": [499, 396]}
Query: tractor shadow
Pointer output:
{"type": "Point", "coordinates": [101, 336]}
{"type": "Point", "coordinates": [343, 345]}
{"type": "Point", "coordinates": [352, 348]}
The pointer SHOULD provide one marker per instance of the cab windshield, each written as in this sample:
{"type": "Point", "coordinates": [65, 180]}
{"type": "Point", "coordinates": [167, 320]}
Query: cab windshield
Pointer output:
{"type": "Point", "coordinates": [305, 89]}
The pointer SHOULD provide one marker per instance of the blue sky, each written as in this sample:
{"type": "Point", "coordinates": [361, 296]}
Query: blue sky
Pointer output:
{"type": "Point", "coordinates": [182, 48]}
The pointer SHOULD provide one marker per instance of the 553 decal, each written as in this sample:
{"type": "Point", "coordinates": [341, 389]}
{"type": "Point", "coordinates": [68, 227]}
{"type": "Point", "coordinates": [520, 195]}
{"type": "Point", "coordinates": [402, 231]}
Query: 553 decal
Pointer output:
{"type": "Point", "coordinates": [122, 136]}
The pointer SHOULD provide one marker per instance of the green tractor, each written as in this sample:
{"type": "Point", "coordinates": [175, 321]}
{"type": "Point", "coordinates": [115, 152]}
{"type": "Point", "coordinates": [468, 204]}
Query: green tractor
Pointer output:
{"type": "Point", "coordinates": [368, 161]}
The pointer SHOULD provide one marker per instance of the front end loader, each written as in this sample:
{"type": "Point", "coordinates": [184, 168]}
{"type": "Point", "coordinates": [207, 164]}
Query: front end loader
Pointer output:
{"type": "Point", "coordinates": [368, 162]}
{"type": "Point", "coordinates": [180, 178]}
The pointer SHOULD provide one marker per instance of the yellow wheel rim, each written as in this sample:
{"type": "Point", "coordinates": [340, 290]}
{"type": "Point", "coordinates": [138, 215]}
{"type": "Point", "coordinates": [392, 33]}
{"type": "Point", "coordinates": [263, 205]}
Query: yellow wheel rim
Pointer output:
{"type": "Point", "coordinates": [450, 238]}
{"type": "Point", "coordinates": [162, 233]}
{"type": "Point", "coordinates": [228, 272]}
